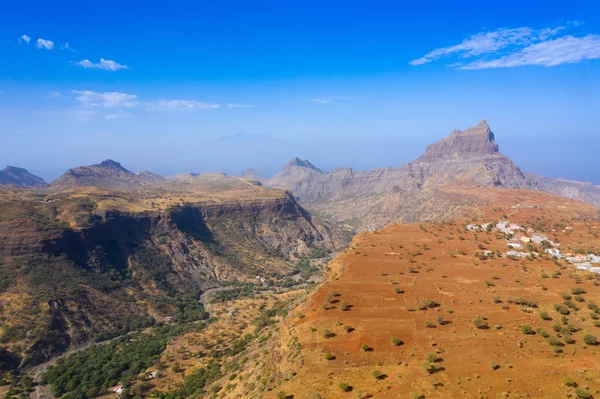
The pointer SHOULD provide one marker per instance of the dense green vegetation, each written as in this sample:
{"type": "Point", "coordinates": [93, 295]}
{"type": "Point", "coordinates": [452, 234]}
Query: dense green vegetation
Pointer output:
{"type": "Point", "coordinates": [91, 372]}
{"type": "Point", "coordinates": [193, 385]}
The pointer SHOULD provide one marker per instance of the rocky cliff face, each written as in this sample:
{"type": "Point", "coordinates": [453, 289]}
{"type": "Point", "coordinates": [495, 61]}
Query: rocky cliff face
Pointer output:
{"type": "Point", "coordinates": [465, 156]}
{"type": "Point", "coordinates": [408, 193]}
{"type": "Point", "coordinates": [469, 155]}
{"type": "Point", "coordinates": [61, 286]}
{"type": "Point", "coordinates": [20, 177]}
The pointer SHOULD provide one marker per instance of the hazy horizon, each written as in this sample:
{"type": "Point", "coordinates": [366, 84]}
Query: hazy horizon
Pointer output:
{"type": "Point", "coordinates": [235, 153]}
{"type": "Point", "coordinates": [361, 86]}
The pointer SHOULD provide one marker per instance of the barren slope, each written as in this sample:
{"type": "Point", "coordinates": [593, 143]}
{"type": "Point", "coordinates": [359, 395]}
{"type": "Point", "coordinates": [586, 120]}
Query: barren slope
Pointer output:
{"type": "Point", "coordinates": [386, 280]}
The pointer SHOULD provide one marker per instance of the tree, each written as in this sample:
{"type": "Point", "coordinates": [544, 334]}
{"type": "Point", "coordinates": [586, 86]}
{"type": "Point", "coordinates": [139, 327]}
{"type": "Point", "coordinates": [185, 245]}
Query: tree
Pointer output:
{"type": "Point", "coordinates": [397, 341]}
{"type": "Point", "coordinates": [344, 306]}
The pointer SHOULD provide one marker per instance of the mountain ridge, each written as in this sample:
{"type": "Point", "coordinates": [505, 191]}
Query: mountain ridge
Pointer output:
{"type": "Point", "coordinates": [469, 156]}
{"type": "Point", "coordinates": [20, 177]}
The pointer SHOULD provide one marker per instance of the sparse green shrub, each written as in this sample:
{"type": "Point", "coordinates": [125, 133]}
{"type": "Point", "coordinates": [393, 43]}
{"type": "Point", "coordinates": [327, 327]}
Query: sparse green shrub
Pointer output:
{"type": "Point", "coordinates": [397, 341]}
{"type": "Point", "coordinates": [480, 323]}
{"type": "Point", "coordinates": [344, 387]}
{"type": "Point", "coordinates": [570, 382]}
{"type": "Point", "coordinates": [427, 304]}
{"type": "Point", "coordinates": [590, 339]}
{"type": "Point", "coordinates": [327, 334]}
{"type": "Point", "coordinates": [561, 309]}
{"type": "Point", "coordinates": [545, 316]}
{"type": "Point", "coordinates": [526, 329]}
{"type": "Point", "coordinates": [583, 394]}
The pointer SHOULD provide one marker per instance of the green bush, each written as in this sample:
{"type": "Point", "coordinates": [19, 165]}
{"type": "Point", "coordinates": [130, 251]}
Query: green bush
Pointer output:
{"type": "Point", "coordinates": [526, 329]}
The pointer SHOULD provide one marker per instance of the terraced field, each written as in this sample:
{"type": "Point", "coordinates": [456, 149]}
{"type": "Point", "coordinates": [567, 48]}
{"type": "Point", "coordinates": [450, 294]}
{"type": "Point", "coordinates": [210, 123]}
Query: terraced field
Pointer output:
{"type": "Point", "coordinates": [419, 311]}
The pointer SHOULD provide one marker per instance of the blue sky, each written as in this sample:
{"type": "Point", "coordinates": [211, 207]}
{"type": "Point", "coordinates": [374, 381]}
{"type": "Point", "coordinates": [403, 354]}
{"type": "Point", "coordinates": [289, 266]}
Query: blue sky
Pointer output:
{"type": "Point", "coordinates": [360, 84]}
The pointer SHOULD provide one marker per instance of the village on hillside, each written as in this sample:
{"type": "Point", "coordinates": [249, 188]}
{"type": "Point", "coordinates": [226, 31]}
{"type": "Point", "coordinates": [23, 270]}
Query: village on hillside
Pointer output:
{"type": "Point", "coordinates": [519, 237]}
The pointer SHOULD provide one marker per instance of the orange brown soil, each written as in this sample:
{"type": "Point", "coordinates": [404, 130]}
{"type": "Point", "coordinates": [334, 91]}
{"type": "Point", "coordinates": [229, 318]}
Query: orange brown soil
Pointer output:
{"type": "Point", "coordinates": [498, 362]}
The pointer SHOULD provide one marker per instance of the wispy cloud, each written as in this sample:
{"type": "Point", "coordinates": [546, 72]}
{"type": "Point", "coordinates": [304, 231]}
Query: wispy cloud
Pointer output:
{"type": "Point", "coordinates": [234, 105]}
{"type": "Point", "coordinates": [173, 105]}
{"type": "Point", "coordinates": [115, 116]}
{"type": "Point", "coordinates": [107, 99]}
{"type": "Point", "coordinates": [564, 50]}
{"type": "Point", "coordinates": [107, 65]}
{"type": "Point", "coordinates": [506, 48]}
{"type": "Point", "coordinates": [66, 46]}
{"type": "Point", "coordinates": [480, 43]}
{"type": "Point", "coordinates": [25, 39]}
{"type": "Point", "coordinates": [327, 100]}
{"type": "Point", "coordinates": [45, 44]}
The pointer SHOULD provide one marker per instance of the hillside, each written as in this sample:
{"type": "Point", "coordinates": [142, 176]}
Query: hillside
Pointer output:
{"type": "Point", "coordinates": [19, 177]}
{"type": "Point", "coordinates": [86, 261]}
{"type": "Point", "coordinates": [107, 174]}
{"type": "Point", "coordinates": [445, 310]}
{"type": "Point", "coordinates": [411, 192]}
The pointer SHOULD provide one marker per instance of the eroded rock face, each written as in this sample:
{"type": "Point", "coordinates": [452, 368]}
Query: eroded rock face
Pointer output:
{"type": "Point", "coordinates": [20, 177]}
{"type": "Point", "coordinates": [381, 196]}
{"type": "Point", "coordinates": [468, 156]}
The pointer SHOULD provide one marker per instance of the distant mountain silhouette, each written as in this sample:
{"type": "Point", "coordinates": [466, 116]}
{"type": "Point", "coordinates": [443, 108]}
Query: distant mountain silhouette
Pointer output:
{"type": "Point", "coordinates": [20, 177]}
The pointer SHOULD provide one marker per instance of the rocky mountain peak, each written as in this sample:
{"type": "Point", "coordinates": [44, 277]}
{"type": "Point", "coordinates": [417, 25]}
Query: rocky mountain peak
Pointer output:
{"type": "Point", "coordinates": [297, 162]}
{"type": "Point", "coordinates": [19, 177]}
{"type": "Point", "coordinates": [110, 164]}
{"type": "Point", "coordinates": [250, 174]}
{"type": "Point", "coordinates": [474, 142]}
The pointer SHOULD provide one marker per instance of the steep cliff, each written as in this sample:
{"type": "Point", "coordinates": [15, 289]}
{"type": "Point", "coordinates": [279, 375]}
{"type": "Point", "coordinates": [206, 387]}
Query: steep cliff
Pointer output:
{"type": "Point", "coordinates": [63, 284]}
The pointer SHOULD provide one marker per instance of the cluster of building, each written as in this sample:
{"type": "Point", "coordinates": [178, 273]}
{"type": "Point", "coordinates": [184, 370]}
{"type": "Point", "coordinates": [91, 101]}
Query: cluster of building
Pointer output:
{"type": "Point", "coordinates": [585, 262]}
{"type": "Point", "coordinates": [519, 238]}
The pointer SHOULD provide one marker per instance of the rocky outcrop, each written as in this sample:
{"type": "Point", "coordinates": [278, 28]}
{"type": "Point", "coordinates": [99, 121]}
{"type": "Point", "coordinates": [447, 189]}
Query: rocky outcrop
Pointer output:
{"type": "Point", "coordinates": [469, 155]}
{"type": "Point", "coordinates": [20, 177]}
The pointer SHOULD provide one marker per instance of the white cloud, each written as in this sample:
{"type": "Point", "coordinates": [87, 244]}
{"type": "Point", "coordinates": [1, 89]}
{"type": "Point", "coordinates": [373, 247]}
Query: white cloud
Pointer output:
{"type": "Point", "coordinates": [563, 50]}
{"type": "Point", "coordinates": [25, 39]}
{"type": "Point", "coordinates": [115, 116]}
{"type": "Point", "coordinates": [107, 99]}
{"type": "Point", "coordinates": [487, 42]}
{"type": "Point", "coordinates": [45, 44]}
{"type": "Point", "coordinates": [507, 48]}
{"type": "Point", "coordinates": [327, 100]}
{"type": "Point", "coordinates": [107, 65]}
{"type": "Point", "coordinates": [166, 105]}
{"type": "Point", "coordinates": [233, 105]}
{"type": "Point", "coordinates": [66, 46]}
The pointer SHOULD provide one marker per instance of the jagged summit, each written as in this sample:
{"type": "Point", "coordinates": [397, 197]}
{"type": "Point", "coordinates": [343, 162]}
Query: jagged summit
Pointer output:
{"type": "Point", "coordinates": [251, 174]}
{"type": "Point", "coordinates": [473, 142]}
{"type": "Point", "coordinates": [20, 177]}
{"type": "Point", "coordinates": [297, 162]}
